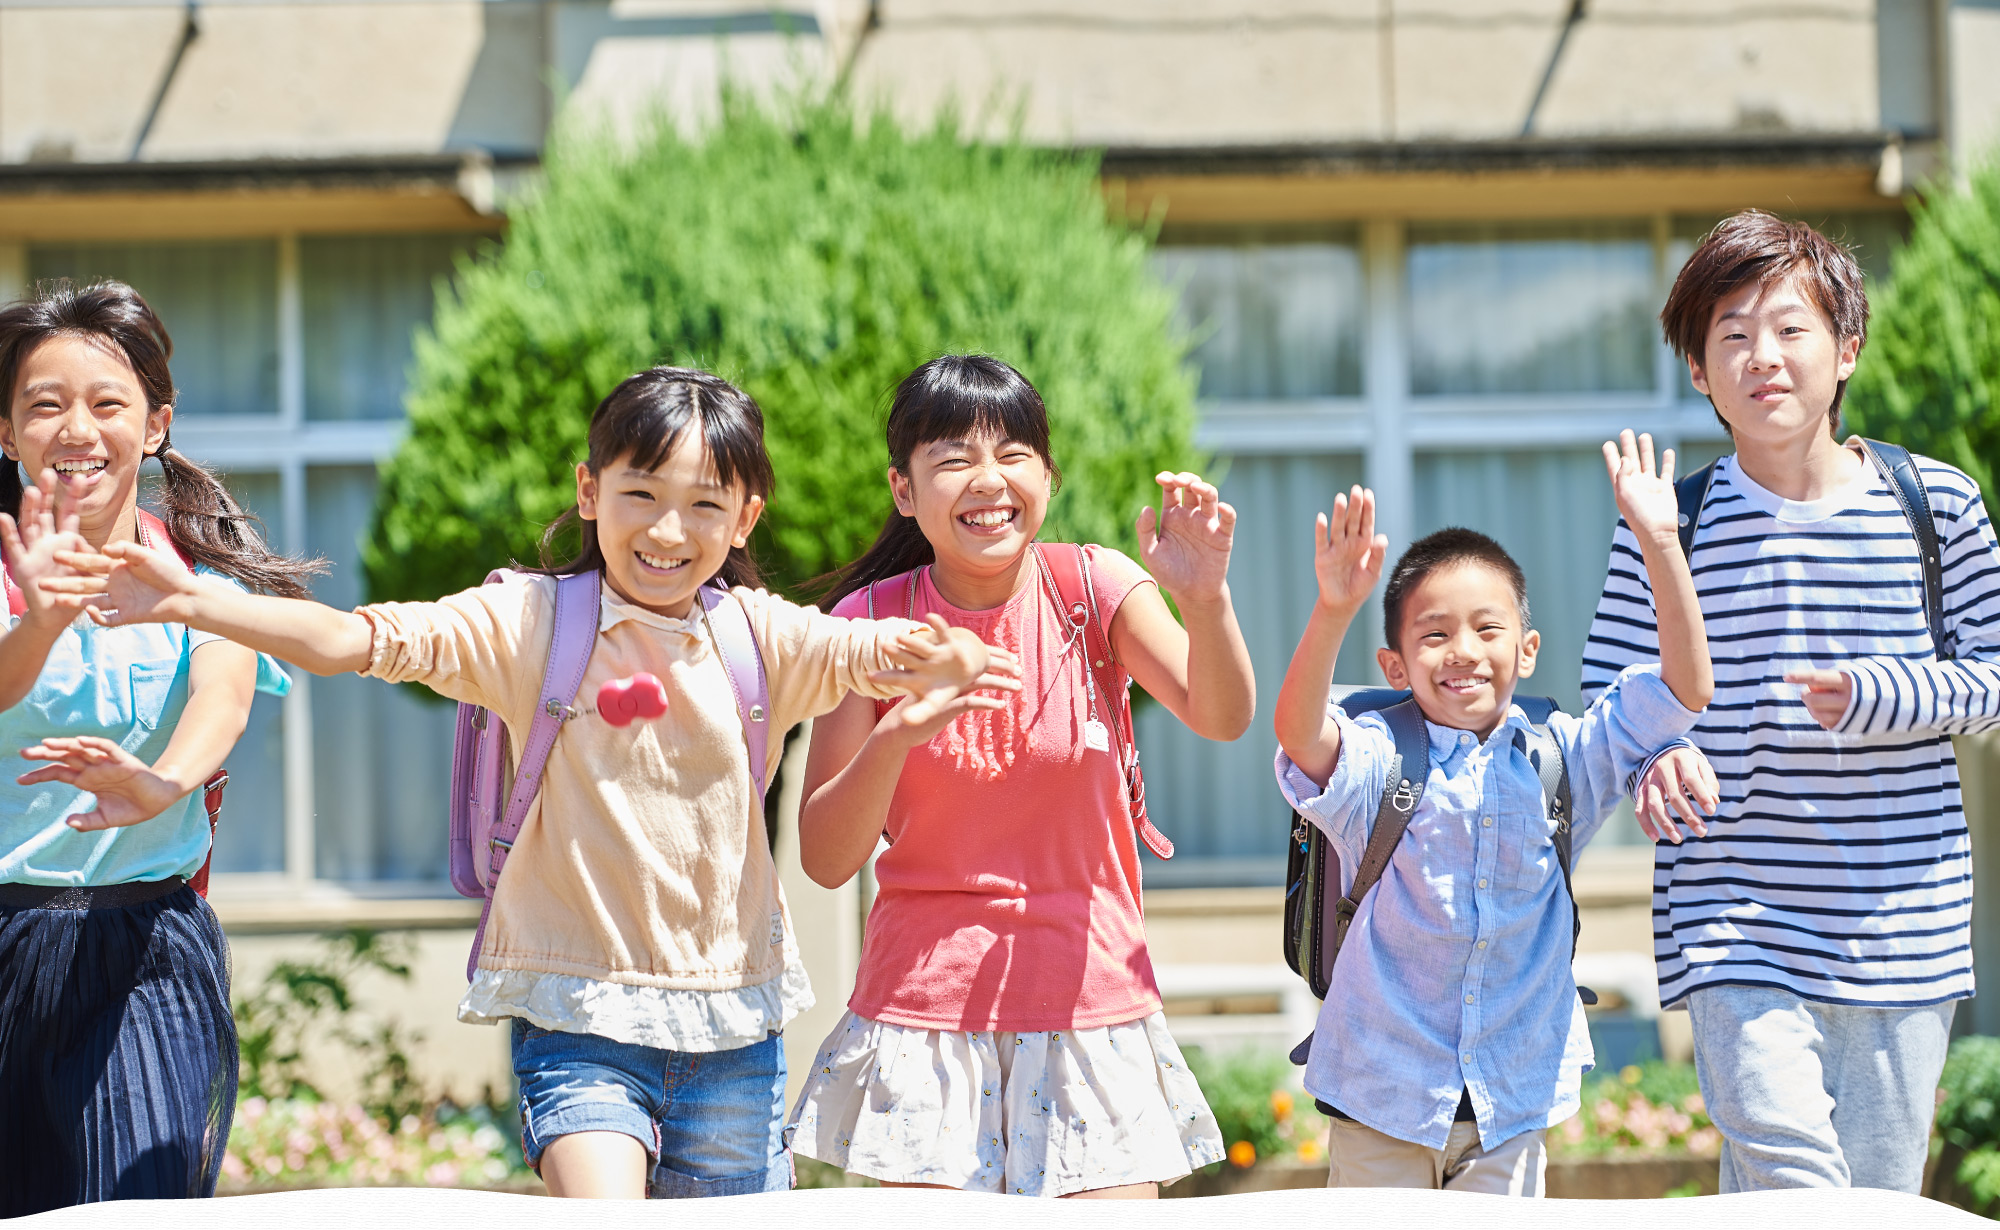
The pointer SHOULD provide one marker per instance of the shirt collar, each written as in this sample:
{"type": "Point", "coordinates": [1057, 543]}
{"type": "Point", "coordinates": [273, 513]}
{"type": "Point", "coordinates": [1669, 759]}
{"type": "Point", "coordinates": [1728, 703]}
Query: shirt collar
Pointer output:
{"type": "Point", "coordinates": [613, 610]}
{"type": "Point", "coordinates": [1446, 741]}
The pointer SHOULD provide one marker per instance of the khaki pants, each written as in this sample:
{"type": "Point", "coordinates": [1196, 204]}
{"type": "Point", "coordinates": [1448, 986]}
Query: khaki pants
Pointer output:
{"type": "Point", "coordinates": [1360, 1156]}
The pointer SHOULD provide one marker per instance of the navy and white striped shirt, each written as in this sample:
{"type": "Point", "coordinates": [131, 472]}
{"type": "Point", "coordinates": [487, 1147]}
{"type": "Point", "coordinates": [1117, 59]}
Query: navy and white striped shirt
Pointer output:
{"type": "Point", "coordinates": [1838, 866]}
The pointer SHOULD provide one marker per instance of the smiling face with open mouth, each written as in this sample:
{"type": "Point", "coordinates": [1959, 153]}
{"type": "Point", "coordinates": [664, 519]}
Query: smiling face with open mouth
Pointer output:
{"type": "Point", "coordinates": [1463, 647]}
{"type": "Point", "coordinates": [665, 532]}
{"type": "Point", "coordinates": [78, 408]}
{"type": "Point", "coordinates": [980, 502]}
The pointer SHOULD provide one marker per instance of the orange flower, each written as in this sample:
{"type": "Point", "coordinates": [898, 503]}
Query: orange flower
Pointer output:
{"type": "Point", "coordinates": [1310, 1150]}
{"type": "Point", "coordinates": [1281, 1104]}
{"type": "Point", "coordinates": [1242, 1154]}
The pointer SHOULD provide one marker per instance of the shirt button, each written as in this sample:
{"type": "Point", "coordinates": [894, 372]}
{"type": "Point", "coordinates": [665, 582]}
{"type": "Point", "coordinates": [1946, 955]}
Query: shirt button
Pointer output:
{"type": "Point", "coordinates": [1487, 821]}
{"type": "Point", "coordinates": [1466, 1058]}
{"type": "Point", "coordinates": [1468, 999]}
{"type": "Point", "coordinates": [1482, 943]}
{"type": "Point", "coordinates": [1465, 740]}
{"type": "Point", "coordinates": [1482, 884]}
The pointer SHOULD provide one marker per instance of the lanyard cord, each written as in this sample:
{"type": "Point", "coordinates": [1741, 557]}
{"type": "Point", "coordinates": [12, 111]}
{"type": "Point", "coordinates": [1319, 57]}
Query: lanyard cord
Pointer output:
{"type": "Point", "coordinates": [1073, 634]}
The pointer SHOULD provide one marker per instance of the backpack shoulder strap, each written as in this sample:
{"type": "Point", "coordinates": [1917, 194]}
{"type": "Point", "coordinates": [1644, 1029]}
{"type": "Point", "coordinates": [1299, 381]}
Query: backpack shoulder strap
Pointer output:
{"type": "Point", "coordinates": [1070, 571]}
{"type": "Point", "coordinates": [1545, 754]}
{"type": "Point", "coordinates": [570, 644]}
{"type": "Point", "coordinates": [1690, 493]}
{"type": "Point", "coordinates": [743, 660]}
{"type": "Point", "coordinates": [1906, 483]}
{"type": "Point", "coordinates": [1400, 795]}
{"type": "Point", "coordinates": [574, 636]}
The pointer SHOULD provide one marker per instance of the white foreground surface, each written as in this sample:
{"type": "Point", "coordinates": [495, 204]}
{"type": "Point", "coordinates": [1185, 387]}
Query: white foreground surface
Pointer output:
{"type": "Point", "coordinates": [872, 1209]}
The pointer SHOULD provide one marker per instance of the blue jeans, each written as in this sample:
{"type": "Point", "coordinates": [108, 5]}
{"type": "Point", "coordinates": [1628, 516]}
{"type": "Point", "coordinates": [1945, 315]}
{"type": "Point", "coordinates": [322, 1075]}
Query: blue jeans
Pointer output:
{"type": "Point", "coordinates": [711, 1121]}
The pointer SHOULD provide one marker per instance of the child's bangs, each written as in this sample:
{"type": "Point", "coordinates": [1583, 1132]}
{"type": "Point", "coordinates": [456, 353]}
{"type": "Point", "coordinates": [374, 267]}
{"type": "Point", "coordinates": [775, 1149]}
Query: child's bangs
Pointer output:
{"type": "Point", "coordinates": [647, 417]}
{"type": "Point", "coordinates": [965, 400]}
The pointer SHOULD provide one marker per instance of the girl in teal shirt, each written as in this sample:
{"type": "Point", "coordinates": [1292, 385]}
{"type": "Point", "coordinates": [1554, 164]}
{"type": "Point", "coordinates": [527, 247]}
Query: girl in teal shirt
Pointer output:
{"type": "Point", "coordinates": [117, 1050]}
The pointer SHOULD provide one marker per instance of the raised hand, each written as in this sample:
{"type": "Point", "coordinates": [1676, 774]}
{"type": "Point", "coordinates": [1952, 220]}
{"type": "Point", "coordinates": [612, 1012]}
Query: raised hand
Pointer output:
{"type": "Point", "coordinates": [1347, 552]}
{"type": "Point", "coordinates": [128, 584]}
{"type": "Point", "coordinates": [33, 547]}
{"type": "Point", "coordinates": [1682, 783]}
{"type": "Point", "coordinates": [128, 790]}
{"type": "Point", "coordinates": [1185, 543]}
{"type": "Point", "coordinates": [1645, 498]}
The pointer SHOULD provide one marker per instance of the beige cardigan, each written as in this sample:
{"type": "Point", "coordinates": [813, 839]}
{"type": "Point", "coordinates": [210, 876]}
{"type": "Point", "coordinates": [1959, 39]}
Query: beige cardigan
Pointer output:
{"type": "Point", "coordinates": [645, 860]}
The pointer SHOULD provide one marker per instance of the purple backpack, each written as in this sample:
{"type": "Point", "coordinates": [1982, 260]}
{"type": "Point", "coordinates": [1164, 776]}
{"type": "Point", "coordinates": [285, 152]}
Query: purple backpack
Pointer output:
{"type": "Point", "coordinates": [486, 815]}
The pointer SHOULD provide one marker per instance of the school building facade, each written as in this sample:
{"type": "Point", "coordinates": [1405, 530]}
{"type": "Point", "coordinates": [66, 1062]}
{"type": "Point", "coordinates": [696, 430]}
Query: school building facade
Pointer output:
{"type": "Point", "coordinates": [1423, 242]}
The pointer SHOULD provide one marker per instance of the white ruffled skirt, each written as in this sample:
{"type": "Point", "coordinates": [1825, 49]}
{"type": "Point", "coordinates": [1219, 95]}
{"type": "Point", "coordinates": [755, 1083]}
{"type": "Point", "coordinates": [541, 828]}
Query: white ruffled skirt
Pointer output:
{"type": "Point", "coordinates": [1035, 1114]}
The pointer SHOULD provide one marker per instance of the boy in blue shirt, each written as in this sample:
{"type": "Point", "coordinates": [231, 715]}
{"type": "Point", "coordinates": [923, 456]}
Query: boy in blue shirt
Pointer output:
{"type": "Point", "coordinates": [1452, 1037]}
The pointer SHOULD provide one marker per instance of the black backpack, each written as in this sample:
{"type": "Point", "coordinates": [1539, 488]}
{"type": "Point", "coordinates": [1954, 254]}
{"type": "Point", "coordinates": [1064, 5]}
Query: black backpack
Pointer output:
{"type": "Point", "coordinates": [1315, 930]}
{"type": "Point", "coordinates": [1906, 483]}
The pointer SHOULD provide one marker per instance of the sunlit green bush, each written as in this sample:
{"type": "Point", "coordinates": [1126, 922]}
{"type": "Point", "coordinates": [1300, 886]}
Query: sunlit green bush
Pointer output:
{"type": "Point", "coordinates": [813, 254]}
{"type": "Point", "coordinates": [1929, 378]}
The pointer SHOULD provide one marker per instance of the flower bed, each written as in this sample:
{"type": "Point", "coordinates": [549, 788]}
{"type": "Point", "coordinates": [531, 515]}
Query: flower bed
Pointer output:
{"type": "Point", "coordinates": [302, 1143]}
{"type": "Point", "coordinates": [1645, 1110]}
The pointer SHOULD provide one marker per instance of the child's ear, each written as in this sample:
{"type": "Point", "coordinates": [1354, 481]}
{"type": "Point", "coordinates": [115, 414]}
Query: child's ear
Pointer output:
{"type": "Point", "coordinates": [902, 492]}
{"type": "Point", "coordinates": [1850, 356]}
{"type": "Point", "coordinates": [7, 438]}
{"type": "Point", "coordinates": [586, 493]}
{"type": "Point", "coordinates": [1531, 645]}
{"type": "Point", "coordinates": [1698, 377]}
{"type": "Point", "coordinates": [746, 520]}
{"type": "Point", "coordinates": [158, 419]}
{"type": "Point", "coordinates": [1391, 663]}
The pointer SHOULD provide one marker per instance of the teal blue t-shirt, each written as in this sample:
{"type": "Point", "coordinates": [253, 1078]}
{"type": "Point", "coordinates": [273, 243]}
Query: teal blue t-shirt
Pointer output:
{"type": "Point", "coordinates": [128, 685]}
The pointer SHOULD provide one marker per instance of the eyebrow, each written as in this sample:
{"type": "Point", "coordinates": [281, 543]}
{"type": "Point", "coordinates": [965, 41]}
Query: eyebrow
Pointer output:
{"type": "Point", "coordinates": [1780, 308]}
{"type": "Point", "coordinates": [635, 474]}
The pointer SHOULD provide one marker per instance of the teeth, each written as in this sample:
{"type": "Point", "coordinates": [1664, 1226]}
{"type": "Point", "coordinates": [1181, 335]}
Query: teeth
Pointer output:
{"type": "Point", "coordinates": [659, 561]}
{"type": "Point", "coordinates": [989, 517]}
{"type": "Point", "coordinates": [78, 467]}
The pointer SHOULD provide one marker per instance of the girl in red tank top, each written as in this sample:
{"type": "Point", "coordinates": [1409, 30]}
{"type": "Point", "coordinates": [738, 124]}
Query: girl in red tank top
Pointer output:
{"type": "Point", "coordinates": [1005, 1031]}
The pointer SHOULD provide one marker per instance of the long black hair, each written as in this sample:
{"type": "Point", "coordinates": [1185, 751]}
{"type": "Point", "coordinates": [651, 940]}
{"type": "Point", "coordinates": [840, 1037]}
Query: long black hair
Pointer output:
{"type": "Point", "coordinates": [952, 397]}
{"type": "Point", "coordinates": [643, 419]}
{"type": "Point", "coordinates": [204, 521]}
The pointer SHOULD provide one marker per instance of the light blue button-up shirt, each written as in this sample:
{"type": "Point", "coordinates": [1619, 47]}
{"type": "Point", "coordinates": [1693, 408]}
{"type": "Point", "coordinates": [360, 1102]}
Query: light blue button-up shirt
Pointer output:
{"type": "Point", "coordinates": [128, 685]}
{"type": "Point", "coordinates": [1455, 973]}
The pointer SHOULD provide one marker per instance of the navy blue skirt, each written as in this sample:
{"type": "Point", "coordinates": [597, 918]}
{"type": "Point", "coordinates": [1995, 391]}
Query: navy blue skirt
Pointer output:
{"type": "Point", "coordinates": [117, 1049]}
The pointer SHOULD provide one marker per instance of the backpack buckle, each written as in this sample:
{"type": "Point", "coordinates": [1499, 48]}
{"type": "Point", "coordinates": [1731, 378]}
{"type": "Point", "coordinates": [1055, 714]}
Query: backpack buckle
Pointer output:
{"type": "Point", "coordinates": [557, 710]}
{"type": "Point", "coordinates": [499, 843]}
{"type": "Point", "coordinates": [1405, 798]}
{"type": "Point", "coordinates": [1299, 834]}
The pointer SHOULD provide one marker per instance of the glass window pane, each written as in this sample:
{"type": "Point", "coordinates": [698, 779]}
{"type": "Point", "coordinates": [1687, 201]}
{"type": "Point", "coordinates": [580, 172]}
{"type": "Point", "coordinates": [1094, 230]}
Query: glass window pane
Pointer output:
{"type": "Point", "coordinates": [1218, 801]}
{"type": "Point", "coordinates": [218, 300]}
{"type": "Point", "coordinates": [1531, 309]}
{"type": "Point", "coordinates": [251, 834]}
{"type": "Point", "coordinates": [1271, 320]}
{"type": "Point", "coordinates": [381, 754]}
{"type": "Point", "coordinates": [363, 296]}
{"type": "Point", "coordinates": [1553, 512]}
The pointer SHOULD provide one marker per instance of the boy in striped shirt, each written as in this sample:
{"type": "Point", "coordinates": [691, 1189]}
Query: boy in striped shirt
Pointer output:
{"type": "Point", "coordinates": [1817, 925]}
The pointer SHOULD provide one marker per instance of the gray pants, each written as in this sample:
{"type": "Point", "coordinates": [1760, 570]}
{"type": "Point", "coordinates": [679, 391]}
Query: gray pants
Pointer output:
{"type": "Point", "coordinates": [1818, 1095]}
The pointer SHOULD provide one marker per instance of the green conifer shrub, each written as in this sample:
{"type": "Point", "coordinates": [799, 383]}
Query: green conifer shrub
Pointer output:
{"type": "Point", "coordinates": [1929, 378]}
{"type": "Point", "coordinates": [813, 255]}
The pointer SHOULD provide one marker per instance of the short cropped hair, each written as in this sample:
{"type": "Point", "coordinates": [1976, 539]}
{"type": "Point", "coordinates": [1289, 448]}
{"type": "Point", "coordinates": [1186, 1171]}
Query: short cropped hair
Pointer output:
{"type": "Point", "coordinates": [1442, 550]}
{"type": "Point", "coordinates": [1754, 246]}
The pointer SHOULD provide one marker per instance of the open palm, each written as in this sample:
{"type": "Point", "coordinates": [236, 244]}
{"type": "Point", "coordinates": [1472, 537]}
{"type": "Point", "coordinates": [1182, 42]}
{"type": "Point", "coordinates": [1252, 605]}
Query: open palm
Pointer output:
{"type": "Point", "coordinates": [137, 584]}
{"type": "Point", "coordinates": [1347, 552]}
{"type": "Point", "coordinates": [128, 791]}
{"type": "Point", "coordinates": [1185, 543]}
{"type": "Point", "coordinates": [33, 546]}
{"type": "Point", "coordinates": [1645, 498]}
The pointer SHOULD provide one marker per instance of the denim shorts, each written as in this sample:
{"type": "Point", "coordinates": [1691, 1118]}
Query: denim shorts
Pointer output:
{"type": "Point", "coordinates": [712, 1122]}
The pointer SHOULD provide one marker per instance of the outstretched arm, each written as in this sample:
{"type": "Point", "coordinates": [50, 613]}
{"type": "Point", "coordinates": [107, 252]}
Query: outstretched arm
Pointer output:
{"type": "Point", "coordinates": [133, 584]}
{"type": "Point", "coordinates": [1347, 560]}
{"type": "Point", "coordinates": [1200, 672]}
